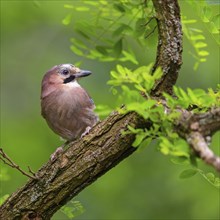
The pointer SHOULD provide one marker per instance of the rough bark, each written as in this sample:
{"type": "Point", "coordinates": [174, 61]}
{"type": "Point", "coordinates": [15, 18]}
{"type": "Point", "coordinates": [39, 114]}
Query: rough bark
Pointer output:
{"type": "Point", "coordinates": [197, 130]}
{"type": "Point", "coordinates": [80, 165]}
{"type": "Point", "coordinates": [169, 49]}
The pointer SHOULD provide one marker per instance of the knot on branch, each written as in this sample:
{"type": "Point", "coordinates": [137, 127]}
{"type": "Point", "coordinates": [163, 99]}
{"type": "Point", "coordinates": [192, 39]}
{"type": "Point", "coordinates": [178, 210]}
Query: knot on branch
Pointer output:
{"type": "Point", "coordinates": [197, 129]}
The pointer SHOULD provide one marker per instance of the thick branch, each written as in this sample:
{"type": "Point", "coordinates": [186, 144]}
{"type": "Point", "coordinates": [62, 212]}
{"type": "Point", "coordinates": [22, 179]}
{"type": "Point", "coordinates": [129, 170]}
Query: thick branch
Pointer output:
{"type": "Point", "coordinates": [197, 129]}
{"type": "Point", "coordinates": [169, 49]}
{"type": "Point", "coordinates": [200, 146]}
{"type": "Point", "coordinates": [80, 165]}
{"type": "Point", "coordinates": [205, 123]}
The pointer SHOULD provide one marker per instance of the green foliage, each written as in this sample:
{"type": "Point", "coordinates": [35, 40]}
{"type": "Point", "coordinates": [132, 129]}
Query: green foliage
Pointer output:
{"type": "Point", "coordinates": [135, 86]}
{"type": "Point", "coordinates": [208, 16]}
{"type": "Point", "coordinates": [188, 173]}
{"type": "Point", "coordinates": [210, 177]}
{"type": "Point", "coordinates": [108, 35]}
{"type": "Point", "coordinates": [195, 35]}
{"type": "Point", "coordinates": [197, 97]}
{"type": "Point", "coordinates": [197, 40]}
{"type": "Point", "coordinates": [73, 209]}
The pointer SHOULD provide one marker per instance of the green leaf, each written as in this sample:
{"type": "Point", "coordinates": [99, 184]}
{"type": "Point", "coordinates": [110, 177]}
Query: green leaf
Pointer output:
{"type": "Point", "coordinates": [192, 96]}
{"type": "Point", "coordinates": [82, 8]}
{"type": "Point", "coordinates": [216, 21]}
{"type": "Point", "coordinates": [158, 73]}
{"type": "Point", "coordinates": [200, 44]}
{"type": "Point", "coordinates": [73, 209]}
{"type": "Point", "coordinates": [202, 60]}
{"type": "Point", "coordinates": [67, 19]}
{"type": "Point", "coordinates": [150, 103]}
{"type": "Point", "coordinates": [182, 160]}
{"type": "Point", "coordinates": [94, 54]}
{"type": "Point", "coordinates": [121, 29]}
{"type": "Point", "coordinates": [140, 27]}
{"type": "Point", "coordinates": [76, 50]}
{"type": "Point", "coordinates": [211, 178]}
{"type": "Point", "coordinates": [68, 6]}
{"type": "Point", "coordinates": [188, 173]}
{"type": "Point", "coordinates": [144, 143]}
{"type": "Point", "coordinates": [102, 50]}
{"type": "Point", "coordinates": [78, 43]}
{"type": "Point", "coordinates": [195, 66]}
{"type": "Point", "coordinates": [119, 7]}
{"type": "Point", "coordinates": [190, 21]}
{"type": "Point", "coordinates": [118, 47]}
{"type": "Point", "coordinates": [165, 145]}
{"type": "Point", "coordinates": [206, 14]}
{"type": "Point", "coordinates": [138, 139]}
{"type": "Point", "coordinates": [198, 37]}
{"type": "Point", "coordinates": [82, 33]}
{"type": "Point", "coordinates": [140, 87]}
{"type": "Point", "coordinates": [128, 57]}
{"type": "Point", "coordinates": [93, 3]}
{"type": "Point", "coordinates": [212, 28]}
{"type": "Point", "coordinates": [203, 53]}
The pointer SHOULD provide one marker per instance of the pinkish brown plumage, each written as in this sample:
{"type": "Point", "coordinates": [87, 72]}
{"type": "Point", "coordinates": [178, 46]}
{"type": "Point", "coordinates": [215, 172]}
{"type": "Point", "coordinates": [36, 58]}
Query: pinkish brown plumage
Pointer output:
{"type": "Point", "coordinates": [65, 105]}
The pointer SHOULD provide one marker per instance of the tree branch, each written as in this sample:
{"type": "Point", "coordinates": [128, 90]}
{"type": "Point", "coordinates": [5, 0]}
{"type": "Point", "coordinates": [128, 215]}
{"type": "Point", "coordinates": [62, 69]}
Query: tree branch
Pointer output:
{"type": "Point", "coordinates": [80, 165]}
{"type": "Point", "coordinates": [197, 129]}
{"type": "Point", "coordinates": [200, 146]}
{"type": "Point", "coordinates": [169, 49]}
{"type": "Point", "coordinates": [5, 159]}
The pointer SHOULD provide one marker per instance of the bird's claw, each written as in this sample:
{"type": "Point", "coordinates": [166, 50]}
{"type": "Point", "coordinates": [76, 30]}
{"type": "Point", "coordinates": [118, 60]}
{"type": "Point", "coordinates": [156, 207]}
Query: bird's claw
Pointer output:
{"type": "Point", "coordinates": [54, 156]}
{"type": "Point", "coordinates": [88, 128]}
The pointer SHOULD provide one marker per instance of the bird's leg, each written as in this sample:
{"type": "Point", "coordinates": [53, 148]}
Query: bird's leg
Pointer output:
{"type": "Point", "coordinates": [58, 151]}
{"type": "Point", "coordinates": [88, 128]}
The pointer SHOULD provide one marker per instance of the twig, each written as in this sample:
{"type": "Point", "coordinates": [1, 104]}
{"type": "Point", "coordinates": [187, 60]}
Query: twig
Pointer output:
{"type": "Point", "coordinates": [148, 35]}
{"type": "Point", "coordinates": [5, 158]}
{"type": "Point", "coordinates": [197, 129]}
{"type": "Point", "coordinates": [148, 22]}
{"type": "Point", "coordinates": [200, 146]}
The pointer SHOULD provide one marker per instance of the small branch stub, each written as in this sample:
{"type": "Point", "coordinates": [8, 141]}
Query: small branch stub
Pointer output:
{"type": "Point", "coordinates": [5, 158]}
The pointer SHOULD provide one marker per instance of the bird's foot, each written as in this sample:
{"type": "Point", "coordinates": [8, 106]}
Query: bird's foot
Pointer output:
{"type": "Point", "coordinates": [57, 152]}
{"type": "Point", "coordinates": [86, 131]}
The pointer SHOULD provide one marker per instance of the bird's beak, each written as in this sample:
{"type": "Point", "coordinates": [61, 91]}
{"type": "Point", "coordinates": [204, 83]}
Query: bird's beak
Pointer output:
{"type": "Point", "coordinates": [82, 73]}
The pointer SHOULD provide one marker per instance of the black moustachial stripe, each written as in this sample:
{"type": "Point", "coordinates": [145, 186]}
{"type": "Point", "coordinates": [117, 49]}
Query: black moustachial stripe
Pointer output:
{"type": "Point", "coordinates": [69, 79]}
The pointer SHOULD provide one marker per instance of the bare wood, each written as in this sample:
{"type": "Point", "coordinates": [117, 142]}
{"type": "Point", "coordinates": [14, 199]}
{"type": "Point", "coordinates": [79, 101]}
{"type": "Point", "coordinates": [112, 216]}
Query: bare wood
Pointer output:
{"type": "Point", "coordinates": [197, 130]}
{"type": "Point", "coordinates": [7, 160]}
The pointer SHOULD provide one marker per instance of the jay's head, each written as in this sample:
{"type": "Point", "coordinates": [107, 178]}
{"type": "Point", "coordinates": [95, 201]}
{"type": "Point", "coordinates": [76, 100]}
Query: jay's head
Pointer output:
{"type": "Point", "coordinates": [62, 76]}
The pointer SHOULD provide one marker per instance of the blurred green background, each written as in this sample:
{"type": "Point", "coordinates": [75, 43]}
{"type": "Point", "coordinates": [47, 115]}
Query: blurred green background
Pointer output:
{"type": "Point", "coordinates": [144, 186]}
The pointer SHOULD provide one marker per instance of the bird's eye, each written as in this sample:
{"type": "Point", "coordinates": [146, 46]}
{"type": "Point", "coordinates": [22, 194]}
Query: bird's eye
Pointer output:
{"type": "Point", "coordinates": [65, 72]}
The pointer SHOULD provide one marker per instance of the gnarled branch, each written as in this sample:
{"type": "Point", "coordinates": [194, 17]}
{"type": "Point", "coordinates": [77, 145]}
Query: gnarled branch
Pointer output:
{"type": "Point", "coordinates": [169, 49]}
{"type": "Point", "coordinates": [197, 129]}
